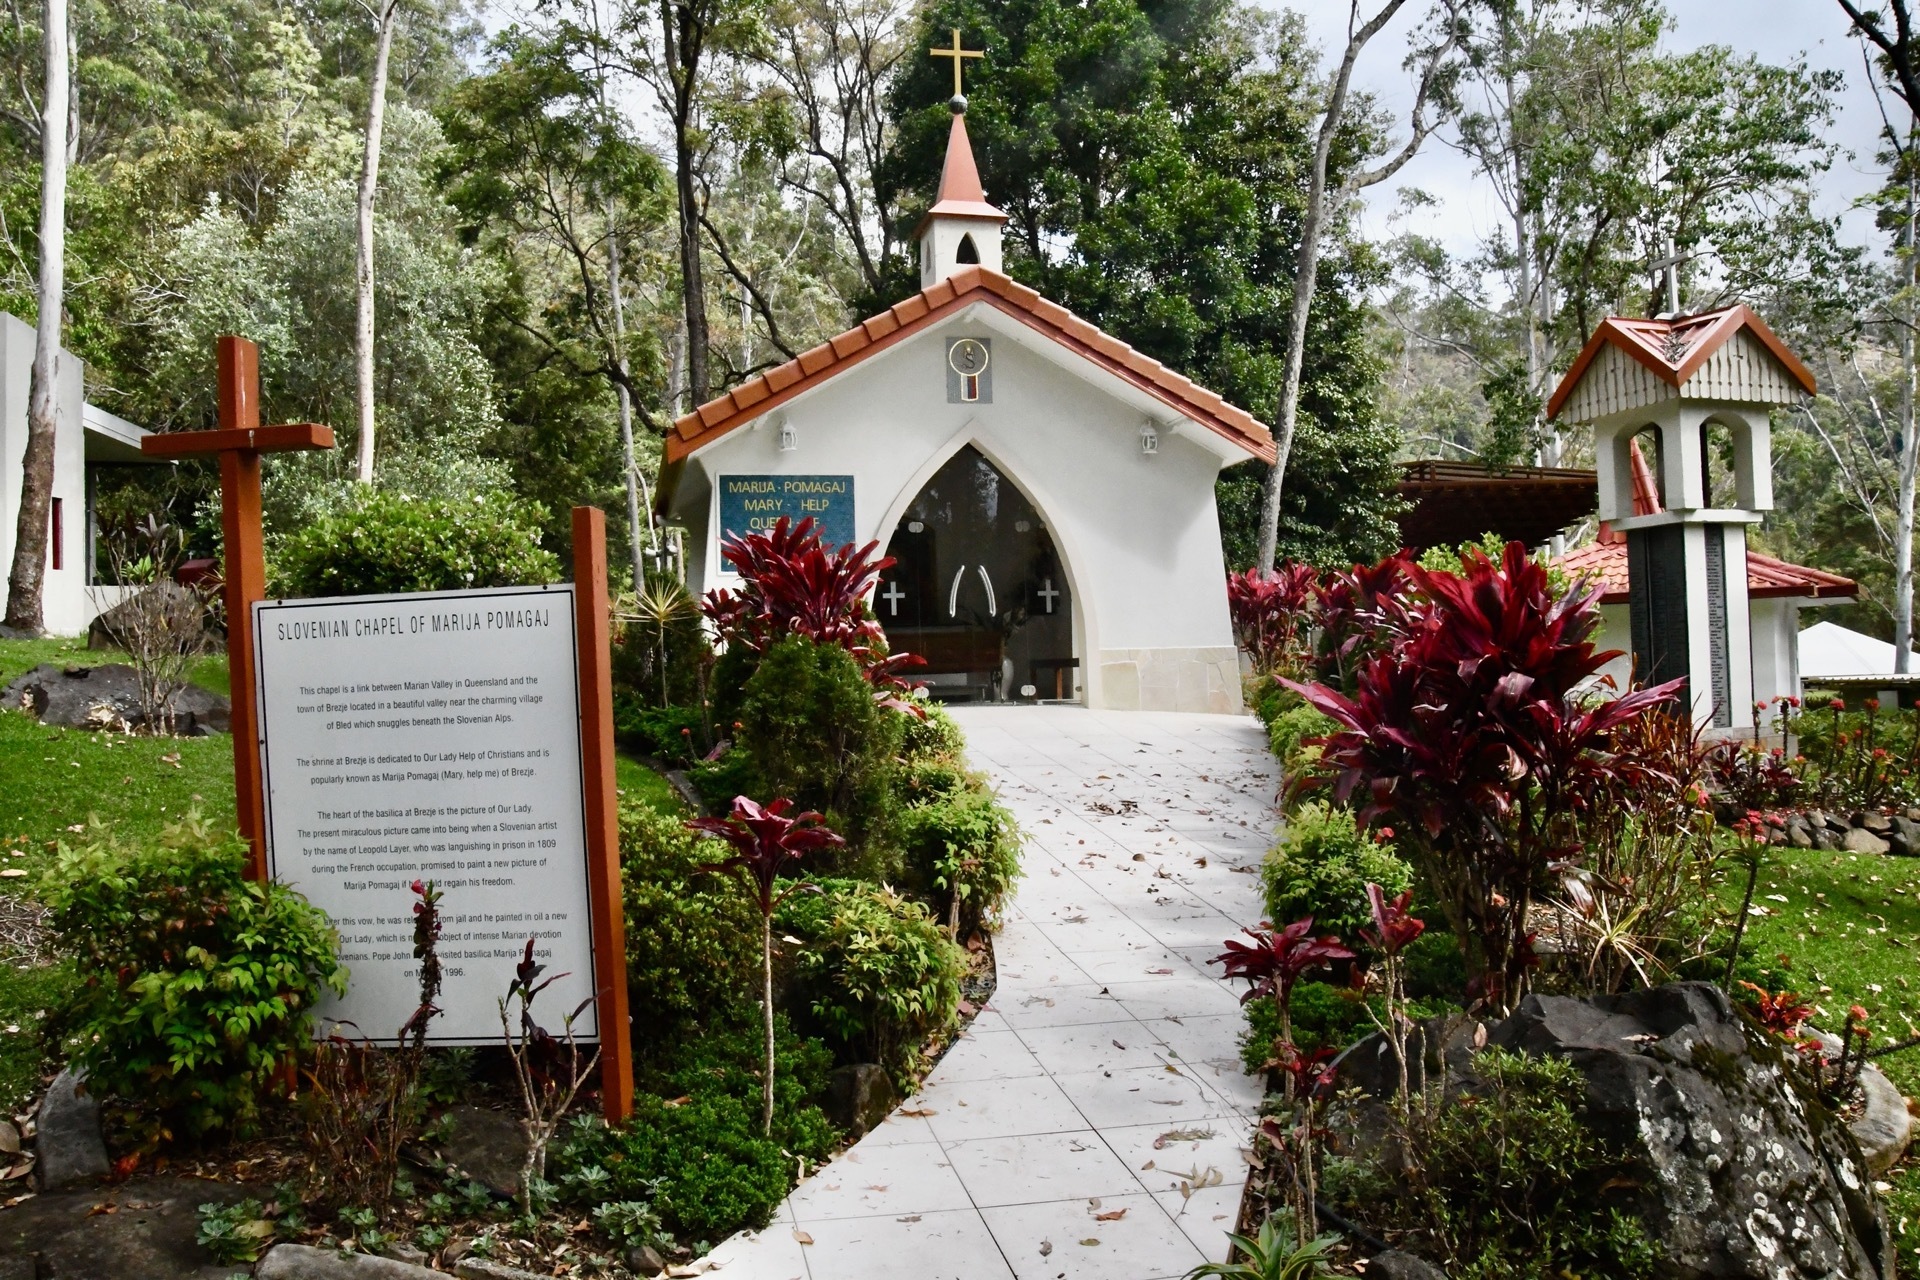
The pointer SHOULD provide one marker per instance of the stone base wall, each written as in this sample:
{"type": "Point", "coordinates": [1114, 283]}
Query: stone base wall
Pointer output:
{"type": "Point", "coordinates": [1171, 680]}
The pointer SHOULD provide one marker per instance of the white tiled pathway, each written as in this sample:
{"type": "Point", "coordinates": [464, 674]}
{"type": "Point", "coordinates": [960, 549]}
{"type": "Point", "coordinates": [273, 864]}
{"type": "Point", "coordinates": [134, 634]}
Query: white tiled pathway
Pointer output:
{"type": "Point", "coordinates": [1050, 1143]}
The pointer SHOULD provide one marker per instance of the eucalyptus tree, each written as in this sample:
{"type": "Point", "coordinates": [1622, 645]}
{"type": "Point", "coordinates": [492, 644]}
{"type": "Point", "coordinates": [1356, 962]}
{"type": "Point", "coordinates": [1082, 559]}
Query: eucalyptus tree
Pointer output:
{"type": "Point", "coordinates": [27, 580]}
{"type": "Point", "coordinates": [548, 176]}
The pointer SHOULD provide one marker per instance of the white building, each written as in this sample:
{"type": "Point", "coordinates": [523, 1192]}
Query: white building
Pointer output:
{"type": "Point", "coordinates": [1047, 491]}
{"type": "Point", "coordinates": [86, 437]}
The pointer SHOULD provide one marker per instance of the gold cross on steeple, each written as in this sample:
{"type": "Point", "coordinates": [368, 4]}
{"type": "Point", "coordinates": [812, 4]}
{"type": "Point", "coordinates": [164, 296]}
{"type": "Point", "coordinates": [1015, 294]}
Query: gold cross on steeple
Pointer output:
{"type": "Point", "coordinates": [956, 53]}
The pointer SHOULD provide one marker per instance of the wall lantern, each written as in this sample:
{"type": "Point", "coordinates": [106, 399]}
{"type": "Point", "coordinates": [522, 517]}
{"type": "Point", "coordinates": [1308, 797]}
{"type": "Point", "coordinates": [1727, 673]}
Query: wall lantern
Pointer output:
{"type": "Point", "coordinates": [1149, 438]}
{"type": "Point", "coordinates": [789, 438]}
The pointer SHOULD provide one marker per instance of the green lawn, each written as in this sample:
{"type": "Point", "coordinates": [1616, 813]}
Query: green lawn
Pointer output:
{"type": "Point", "coordinates": [54, 780]}
{"type": "Point", "coordinates": [1844, 929]}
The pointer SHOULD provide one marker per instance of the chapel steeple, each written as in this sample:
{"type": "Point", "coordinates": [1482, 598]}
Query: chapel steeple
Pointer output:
{"type": "Point", "coordinates": [961, 229]}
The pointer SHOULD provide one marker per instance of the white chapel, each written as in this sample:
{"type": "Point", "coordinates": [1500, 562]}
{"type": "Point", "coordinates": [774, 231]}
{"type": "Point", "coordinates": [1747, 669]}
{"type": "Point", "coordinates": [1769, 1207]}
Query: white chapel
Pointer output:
{"type": "Point", "coordinates": [1046, 491]}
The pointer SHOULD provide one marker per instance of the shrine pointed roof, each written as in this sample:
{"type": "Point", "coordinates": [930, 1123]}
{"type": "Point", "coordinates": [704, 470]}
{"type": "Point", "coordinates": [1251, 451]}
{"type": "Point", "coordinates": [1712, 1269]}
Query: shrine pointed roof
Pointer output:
{"type": "Point", "coordinates": [1674, 351]}
{"type": "Point", "coordinates": [969, 286]}
{"type": "Point", "coordinates": [961, 194]}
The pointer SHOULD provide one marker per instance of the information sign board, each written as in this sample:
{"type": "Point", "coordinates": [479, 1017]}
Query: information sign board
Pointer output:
{"type": "Point", "coordinates": [754, 504]}
{"type": "Point", "coordinates": [432, 736]}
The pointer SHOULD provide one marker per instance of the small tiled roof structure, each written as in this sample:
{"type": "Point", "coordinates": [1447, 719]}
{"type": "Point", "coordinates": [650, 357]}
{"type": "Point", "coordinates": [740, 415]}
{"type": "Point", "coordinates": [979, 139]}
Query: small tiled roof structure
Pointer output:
{"type": "Point", "coordinates": [1455, 502]}
{"type": "Point", "coordinates": [1727, 350]}
{"type": "Point", "coordinates": [1605, 560]}
{"type": "Point", "coordinates": [965, 288]}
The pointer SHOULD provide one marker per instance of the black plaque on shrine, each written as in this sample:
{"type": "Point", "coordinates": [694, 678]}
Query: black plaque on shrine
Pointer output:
{"type": "Point", "coordinates": [1657, 602]}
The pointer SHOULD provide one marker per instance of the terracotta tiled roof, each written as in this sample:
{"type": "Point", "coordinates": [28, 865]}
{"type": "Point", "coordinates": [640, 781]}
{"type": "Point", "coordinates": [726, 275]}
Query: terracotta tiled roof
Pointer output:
{"type": "Point", "coordinates": [960, 194]}
{"type": "Point", "coordinates": [1688, 339]}
{"type": "Point", "coordinates": [966, 287]}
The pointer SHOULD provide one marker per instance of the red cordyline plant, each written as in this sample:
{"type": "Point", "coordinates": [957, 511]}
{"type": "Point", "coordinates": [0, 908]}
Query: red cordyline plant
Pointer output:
{"type": "Point", "coordinates": [1393, 930]}
{"type": "Point", "coordinates": [1272, 615]}
{"type": "Point", "coordinates": [792, 583]}
{"type": "Point", "coordinates": [1474, 730]}
{"type": "Point", "coordinates": [765, 842]}
{"type": "Point", "coordinates": [1359, 611]}
{"type": "Point", "coordinates": [1277, 961]}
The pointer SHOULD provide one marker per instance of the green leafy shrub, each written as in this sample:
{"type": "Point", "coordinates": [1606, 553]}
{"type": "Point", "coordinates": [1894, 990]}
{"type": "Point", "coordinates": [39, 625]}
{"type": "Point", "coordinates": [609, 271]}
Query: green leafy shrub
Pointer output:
{"type": "Point", "coordinates": [392, 542]}
{"type": "Point", "coordinates": [671, 734]}
{"type": "Point", "coordinates": [962, 846]}
{"type": "Point", "coordinates": [1288, 733]}
{"type": "Point", "coordinates": [692, 940]}
{"type": "Point", "coordinates": [1323, 1016]}
{"type": "Point", "coordinates": [811, 731]}
{"type": "Point", "coordinates": [1513, 1186]}
{"type": "Point", "coordinates": [875, 974]}
{"type": "Point", "coordinates": [693, 1150]}
{"type": "Point", "coordinates": [1321, 868]}
{"type": "Point", "coordinates": [198, 983]}
{"type": "Point", "coordinates": [937, 737]}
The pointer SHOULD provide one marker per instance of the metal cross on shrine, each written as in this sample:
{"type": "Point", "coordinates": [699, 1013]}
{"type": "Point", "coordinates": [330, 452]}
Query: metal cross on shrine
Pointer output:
{"type": "Point", "coordinates": [958, 55]}
{"type": "Point", "coordinates": [1048, 593]}
{"type": "Point", "coordinates": [893, 595]}
{"type": "Point", "coordinates": [239, 441]}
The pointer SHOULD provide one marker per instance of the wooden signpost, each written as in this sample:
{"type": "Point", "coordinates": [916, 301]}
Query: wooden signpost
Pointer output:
{"type": "Point", "coordinates": [239, 442]}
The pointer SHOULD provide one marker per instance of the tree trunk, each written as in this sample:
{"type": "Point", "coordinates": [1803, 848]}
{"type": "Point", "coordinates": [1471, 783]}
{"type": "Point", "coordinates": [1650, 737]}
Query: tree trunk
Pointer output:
{"type": "Point", "coordinates": [1306, 274]}
{"type": "Point", "coordinates": [1909, 461]}
{"type": "Point", "coordinates": [625, 401]}
{"type": "Point", "coordinates": [683, 68]}
{"type": "Point", "coordinates": [766, 1008]}
{"type": "Point", "coordinates": [363, 257]}
{"type": "Point", "coordinates": [26, 584]}
{"type": "Point", "coordinates": [693, 290]}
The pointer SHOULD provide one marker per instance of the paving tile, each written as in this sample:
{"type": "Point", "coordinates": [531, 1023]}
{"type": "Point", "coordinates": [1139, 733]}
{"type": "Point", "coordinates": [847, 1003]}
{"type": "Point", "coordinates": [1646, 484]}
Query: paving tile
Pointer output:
{"type": "Point", "coordinates": [990, 1055]}
{"type": "Point", "coordinates": [772, 1254]}
{"type": "Point", "coordinates": [955, 1245]}
{"type": "Point", "coordinates": [1056, 1006]}
{"type": "Point", "coordinates": [1108, 1046]}
{"type": "Point", "coordinates": [899, 1179]}
{"type": "Point", "coordinates": [1037, 1167]}
{"type": "Point", "coordinates": [1143, 1245]}
{"type": "Point", "coordinates": [1109, 1098]}
{"type": "Point", "coordinates": [997, 1108]}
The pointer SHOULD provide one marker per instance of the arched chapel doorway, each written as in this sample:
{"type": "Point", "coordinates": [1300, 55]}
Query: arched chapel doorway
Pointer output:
{"type": "Point", "coordinates": [978, 590]}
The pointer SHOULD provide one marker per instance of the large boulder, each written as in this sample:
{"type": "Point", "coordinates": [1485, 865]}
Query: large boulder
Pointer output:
{"type": "Point", "coordinates": [108, 697]}
{"type": "Point", "coordinates": [1751, 1176]}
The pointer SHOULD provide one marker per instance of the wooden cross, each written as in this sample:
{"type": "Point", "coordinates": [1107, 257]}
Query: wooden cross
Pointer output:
{"type": "Point", "coordinates": [239, 441]}
{"type": "Point", "coordinates": [957, 54]}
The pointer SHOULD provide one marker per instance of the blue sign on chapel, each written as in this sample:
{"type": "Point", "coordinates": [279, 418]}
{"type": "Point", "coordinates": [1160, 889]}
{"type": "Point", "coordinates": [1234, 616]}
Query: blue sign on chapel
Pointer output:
{"type": "Point", "coordinates": [754, 504]}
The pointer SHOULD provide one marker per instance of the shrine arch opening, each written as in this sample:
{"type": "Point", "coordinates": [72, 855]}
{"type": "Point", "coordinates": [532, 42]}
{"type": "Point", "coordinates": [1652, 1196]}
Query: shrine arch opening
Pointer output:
{"type": "Point", "coordinates": [979, 590]}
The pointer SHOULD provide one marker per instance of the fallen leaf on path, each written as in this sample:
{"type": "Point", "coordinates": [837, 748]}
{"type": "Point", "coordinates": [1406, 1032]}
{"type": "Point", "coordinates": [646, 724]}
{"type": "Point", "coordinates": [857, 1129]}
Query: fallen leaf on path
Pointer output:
{"type": "Point", "coordinates": [919, 1113]}
{"type": "Point", "coordinates": [1111, 1215]}
{"type": "Point", "coordinates": [1046, 1247]}
{"type": "Point", "coordinates": [802, 1236]}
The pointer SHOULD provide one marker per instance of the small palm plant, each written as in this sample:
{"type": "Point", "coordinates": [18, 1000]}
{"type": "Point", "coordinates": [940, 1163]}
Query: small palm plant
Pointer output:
{"type": "Point", "coordinates": [1268, 1256]}
{"type": "Point", "coordinates": [661, 604]}
{"type": "Point", "coordinates": [765, 841]}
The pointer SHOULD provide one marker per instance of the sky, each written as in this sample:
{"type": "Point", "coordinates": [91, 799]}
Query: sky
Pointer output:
{"type": "Point", "coordinates": [1778, 31]}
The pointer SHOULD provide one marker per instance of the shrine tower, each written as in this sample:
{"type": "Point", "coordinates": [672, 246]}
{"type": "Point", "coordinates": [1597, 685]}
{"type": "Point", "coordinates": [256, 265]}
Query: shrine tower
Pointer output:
{"type": "Point", "coordinates": [1667, 384]}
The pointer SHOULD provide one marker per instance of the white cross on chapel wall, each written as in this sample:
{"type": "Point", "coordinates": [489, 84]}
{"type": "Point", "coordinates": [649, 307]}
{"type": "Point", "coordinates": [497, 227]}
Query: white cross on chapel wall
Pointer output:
{"type": "Point", "coordinates": [893, 595]}
{"type": "Point", "coordinates": [1048, 593]}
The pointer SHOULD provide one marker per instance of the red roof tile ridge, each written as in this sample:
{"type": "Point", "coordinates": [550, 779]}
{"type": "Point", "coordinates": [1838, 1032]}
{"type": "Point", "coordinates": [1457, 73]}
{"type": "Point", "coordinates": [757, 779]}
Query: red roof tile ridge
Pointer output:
{"type": "Point", "coordinates": [784, 381]}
